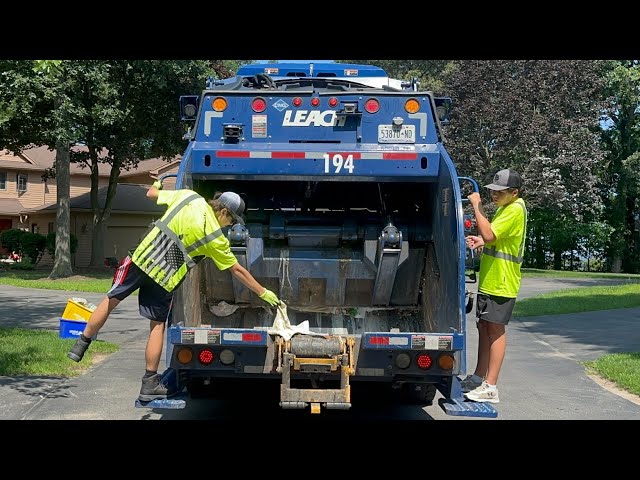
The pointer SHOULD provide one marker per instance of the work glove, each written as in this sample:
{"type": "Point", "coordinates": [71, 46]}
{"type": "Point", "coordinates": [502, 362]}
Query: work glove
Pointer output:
{"type": "Point", "coordinates": [269, 297]}
{"type": "Point", "coordinates": [158, 184]}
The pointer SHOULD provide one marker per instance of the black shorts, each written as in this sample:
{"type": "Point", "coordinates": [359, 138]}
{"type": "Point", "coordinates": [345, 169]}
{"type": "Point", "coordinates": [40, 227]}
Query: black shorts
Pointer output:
{"type": "Point", "coordinates": [494, 309]}
{"type": "Point", "coordinates": [154, 301]}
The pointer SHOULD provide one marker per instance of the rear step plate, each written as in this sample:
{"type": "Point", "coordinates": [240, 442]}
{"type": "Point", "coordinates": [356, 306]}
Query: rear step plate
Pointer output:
{"type": "Point", "coordinates": [467, 408]}
{"type": "Point", "coordinates": [175, 402]}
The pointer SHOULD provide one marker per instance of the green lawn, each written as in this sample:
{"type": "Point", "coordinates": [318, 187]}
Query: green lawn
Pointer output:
{"type": "Point", "coordinates": [586, 299]}
{"type": "Point", "coordinates": [97, 281]}
{"type": "Point", "coordinates": [44, 353]}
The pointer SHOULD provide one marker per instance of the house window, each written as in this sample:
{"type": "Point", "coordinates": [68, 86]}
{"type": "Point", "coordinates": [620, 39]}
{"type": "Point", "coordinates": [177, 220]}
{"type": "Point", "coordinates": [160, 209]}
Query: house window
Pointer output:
{"type": "Point", "coordinates": [34, 228]}
{"type": "Point", "coordinates": [3, 180]}
{"type": "Point", "coordinates": [50, 228]}
{"type": "Point", "coordinates": [22, 182]}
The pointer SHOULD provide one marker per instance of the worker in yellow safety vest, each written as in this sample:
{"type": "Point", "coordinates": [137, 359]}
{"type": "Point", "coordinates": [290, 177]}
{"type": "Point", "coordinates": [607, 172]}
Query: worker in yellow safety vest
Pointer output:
{"type": "Point", "coordinates": [502, 242]}
{"type": "Point", "coordinates": [189, 231]}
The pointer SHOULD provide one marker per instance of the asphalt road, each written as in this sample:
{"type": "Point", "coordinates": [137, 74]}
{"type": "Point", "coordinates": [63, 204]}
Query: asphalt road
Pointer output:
{"type": "Point", "coordinates": [541, 379]}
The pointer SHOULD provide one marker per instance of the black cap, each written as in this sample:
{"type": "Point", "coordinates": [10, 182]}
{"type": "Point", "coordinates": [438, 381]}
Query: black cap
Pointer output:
{"type": "Point", "coordinates": [504, 179]}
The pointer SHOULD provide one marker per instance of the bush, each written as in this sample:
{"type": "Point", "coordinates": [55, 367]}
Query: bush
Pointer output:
{"type": "Point", "coordinates": [33, 246]}
{"type": "Point", "coordinates": [11, 239]}
{"type": "Point", "coordinates": [51, 244]}
{"type": "Point", "coordinates": [22, 265]}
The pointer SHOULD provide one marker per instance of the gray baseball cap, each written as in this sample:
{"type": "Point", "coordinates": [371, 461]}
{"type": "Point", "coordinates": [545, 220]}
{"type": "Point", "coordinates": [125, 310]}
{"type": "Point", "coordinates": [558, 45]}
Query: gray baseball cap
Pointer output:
{"type": "Point", "coordinates": [504, 179]}
{"type": "Point", "coordinates": [234, 204]}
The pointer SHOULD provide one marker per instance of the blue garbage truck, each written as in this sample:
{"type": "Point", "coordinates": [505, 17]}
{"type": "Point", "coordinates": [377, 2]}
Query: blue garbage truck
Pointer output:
{"type": "Point", "coordinates": [354, 218]}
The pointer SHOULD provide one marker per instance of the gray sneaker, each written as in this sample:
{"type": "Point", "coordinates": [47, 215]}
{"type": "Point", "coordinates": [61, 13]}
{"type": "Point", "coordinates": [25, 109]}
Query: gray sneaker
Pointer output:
{"type": "Point", "coordinates": [469, 383]}
{"type": "Point", "coordinates": [153, 389]}
{"type": "Point", "coordinates": [77, 351]}
{"type": "Point", "coordinates": [484, 393]}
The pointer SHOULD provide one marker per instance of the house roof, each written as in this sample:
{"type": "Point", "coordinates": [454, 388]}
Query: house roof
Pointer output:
{"type": "Point", "coordinates": [129, 198]}
{"type": "Point", "coordinates": [10, 206]}
{"type": "Point", "coordinates": [41, 158]}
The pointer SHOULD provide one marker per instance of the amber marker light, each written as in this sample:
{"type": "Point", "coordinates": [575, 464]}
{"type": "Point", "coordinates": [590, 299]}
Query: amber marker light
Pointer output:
{"type": "Point", "coordinates": [446, 361]}
{"type": "Point", "coordinates": [412, 105]}
{"type": "Point", "coordinates": [219, 104]}
{"type": "Point", "coordinates": [184, 355]}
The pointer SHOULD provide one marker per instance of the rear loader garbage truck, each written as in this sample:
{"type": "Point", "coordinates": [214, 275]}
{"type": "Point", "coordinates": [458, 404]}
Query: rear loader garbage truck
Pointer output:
{"type": "Point", "coordinates": [354, 218]}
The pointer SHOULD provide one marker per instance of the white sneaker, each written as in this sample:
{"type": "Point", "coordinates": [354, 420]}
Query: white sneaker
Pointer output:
{"type": "Point", "coordinates": [484, 393]}
{"type": "Point", "coordinates": [470, 382]}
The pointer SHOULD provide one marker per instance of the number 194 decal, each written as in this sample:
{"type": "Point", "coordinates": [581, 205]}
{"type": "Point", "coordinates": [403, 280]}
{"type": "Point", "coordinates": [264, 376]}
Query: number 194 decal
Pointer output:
{"type": "Point", "coordinates": [336, 163]}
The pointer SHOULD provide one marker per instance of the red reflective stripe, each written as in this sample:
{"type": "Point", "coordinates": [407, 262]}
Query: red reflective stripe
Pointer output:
{"type": "Point", "coordinates": [399, 156]}
{"type": "Point", "coordinates": [232, 153]}
{"type": "Point", "coordinates": [379, 340]}
{"type": "Point", "coordinates": [121, 273]}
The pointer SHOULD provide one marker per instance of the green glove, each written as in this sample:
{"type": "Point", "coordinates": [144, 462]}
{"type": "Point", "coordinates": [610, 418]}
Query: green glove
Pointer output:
{"type": "Point", "coordinates": [158, 184]}
{"type": "Point", "coordinates": [269, 297]}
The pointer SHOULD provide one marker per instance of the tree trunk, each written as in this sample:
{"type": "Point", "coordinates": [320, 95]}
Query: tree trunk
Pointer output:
{"type": "Point", "coordinates": [97, 242]}
{"type": "Point", "coordinates": [62, 262]}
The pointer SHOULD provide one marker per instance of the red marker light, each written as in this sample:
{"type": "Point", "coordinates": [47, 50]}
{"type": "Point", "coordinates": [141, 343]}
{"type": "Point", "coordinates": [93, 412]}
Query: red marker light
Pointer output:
{"type": "Point", "coordinates": [297, 102]}
{"type": "Point", "coordinates": [372, 105]}
{"type": "Point", "coordinates": [424, 361]}
{"type": "Point", "coordinates": [315, 101]}
{"type": "Point", "coordinates": [258, 105]}
{"type": "Point", "coordinates": [333, 101]}
{"type": "Point", "coordinates": [467, 223]}
{"type": "Point", "coordinates": [205, 356]}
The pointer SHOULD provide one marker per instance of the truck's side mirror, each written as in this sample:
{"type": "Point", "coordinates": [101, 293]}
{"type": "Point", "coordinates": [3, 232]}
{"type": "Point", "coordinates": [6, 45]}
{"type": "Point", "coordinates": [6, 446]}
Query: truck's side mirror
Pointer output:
{"type": "Point", "coordinates": [188, 107]}
{"type": "Point", "coordinates": [443, 109]}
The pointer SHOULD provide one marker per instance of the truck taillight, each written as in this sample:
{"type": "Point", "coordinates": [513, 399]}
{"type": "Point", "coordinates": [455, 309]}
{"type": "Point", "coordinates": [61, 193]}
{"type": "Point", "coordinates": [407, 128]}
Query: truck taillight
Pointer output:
{"type": "Point", "coordinates": [297, 101]}
{"type": "Point", "coordinates": [424, 361]}
{"type": "Point", "coordinates": [259, 105]}
{"type": "Point", "coordinates": [205, 356]}
{"type": "Point", "coordinates": [333, 101]}
{"type": "Point", "coordinates": [468, 223]}
{"type": "Point", "coordinates": [446, 361]}
{"type": "Point", "coordinates": [372, 105]}
{"type": "Point", "coordinates": [412, 105]}
{"type": "Point", "coordinates": [219, 104]}
{"type": "Point", "coordinates": [184, 355]}
{"type": "Point", "coordinates": [315, 101]}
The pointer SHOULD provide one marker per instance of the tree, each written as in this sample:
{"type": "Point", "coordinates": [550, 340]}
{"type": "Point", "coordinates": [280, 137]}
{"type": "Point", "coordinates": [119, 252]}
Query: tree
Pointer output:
{"type": "Point", "coordinates": [35, 113]}
{"type": "Point", "coordinates": [540, 117]}
{"type": "Point", "coordinates": [621, 138]}
{"type": "Point", "coordinates": [430, 73]}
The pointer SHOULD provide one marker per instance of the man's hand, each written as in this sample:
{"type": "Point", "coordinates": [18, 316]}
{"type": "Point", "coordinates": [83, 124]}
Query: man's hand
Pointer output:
{"type": "Point", "coordinates": [474, 199]}
{"type": "Point", "coordinates": [269, 297]}
{"type": "Point", "coordinates": [474, 241]}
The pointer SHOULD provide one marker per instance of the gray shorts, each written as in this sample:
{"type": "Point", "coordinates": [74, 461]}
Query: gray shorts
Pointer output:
{"type": "Point", "coordinates": [494, 309]}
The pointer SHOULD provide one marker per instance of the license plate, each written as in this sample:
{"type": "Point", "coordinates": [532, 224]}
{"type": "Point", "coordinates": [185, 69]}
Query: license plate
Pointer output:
{"type": "Point", "coordinates": [393, 134]}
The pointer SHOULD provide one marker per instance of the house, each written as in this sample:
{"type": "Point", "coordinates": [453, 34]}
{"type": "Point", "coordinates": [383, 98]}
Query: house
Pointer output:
{"type": "Point", "coordinates": [28, 202]}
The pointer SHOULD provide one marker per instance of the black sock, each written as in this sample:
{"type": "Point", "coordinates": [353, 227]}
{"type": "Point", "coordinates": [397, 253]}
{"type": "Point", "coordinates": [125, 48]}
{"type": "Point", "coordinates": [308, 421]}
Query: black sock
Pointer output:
{"type": "Point", "coordinates": [149, 373]}
{"type": "Point", "coordinates": [84, 339]}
